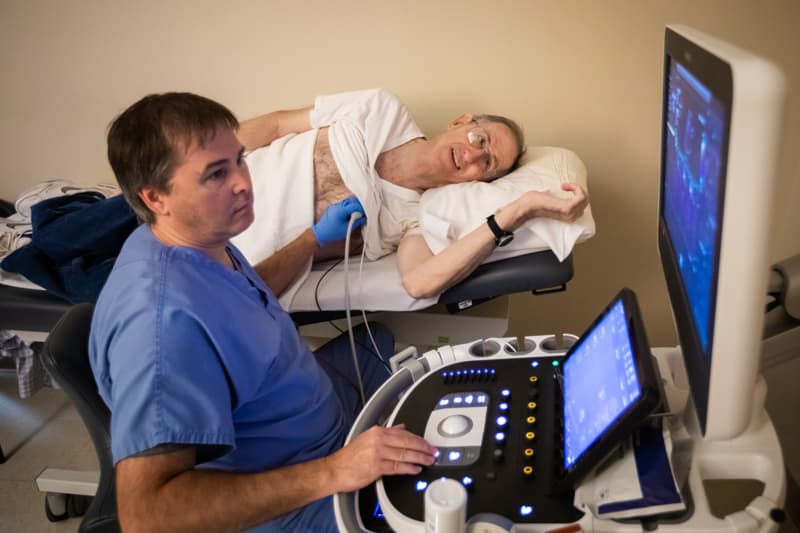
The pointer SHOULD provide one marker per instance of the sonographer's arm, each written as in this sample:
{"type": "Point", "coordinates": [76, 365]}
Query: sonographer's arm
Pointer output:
{"type": "Point", "coordinates": [262, 130]}
{"type": "Point", "coordinates": [283, 267]}
{"type": "Point", "coordinates": [161, 492]}
{"type": "Point", "coordinates": [425, 275]}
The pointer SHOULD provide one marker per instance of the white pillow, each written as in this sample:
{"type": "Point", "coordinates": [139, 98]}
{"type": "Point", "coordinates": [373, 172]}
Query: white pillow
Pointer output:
{"type": "Point", "coordinates": [448, 213]}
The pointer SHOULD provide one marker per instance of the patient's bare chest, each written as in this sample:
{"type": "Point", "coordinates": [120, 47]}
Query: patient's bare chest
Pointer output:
{"type": "Point", "coordinates": [328, 185]}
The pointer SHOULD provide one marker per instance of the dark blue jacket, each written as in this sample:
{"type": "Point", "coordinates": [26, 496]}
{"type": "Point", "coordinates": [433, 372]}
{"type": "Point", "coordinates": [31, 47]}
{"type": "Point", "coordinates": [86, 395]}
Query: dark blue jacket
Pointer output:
{"type": "Point", "coordinates": [75, 240]}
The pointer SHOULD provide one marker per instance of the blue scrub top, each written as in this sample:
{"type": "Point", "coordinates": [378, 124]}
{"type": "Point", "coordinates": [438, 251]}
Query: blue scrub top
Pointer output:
{"type": "Point", "coordinates": [186, 351]}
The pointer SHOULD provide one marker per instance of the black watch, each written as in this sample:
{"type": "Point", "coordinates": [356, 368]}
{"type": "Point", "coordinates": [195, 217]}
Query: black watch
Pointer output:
{"type": "Point", "coordinates": [501, 236]}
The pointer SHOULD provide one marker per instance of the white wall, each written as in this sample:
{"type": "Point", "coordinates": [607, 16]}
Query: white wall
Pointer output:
{"type": "Point", "coordinates": [581, 74]}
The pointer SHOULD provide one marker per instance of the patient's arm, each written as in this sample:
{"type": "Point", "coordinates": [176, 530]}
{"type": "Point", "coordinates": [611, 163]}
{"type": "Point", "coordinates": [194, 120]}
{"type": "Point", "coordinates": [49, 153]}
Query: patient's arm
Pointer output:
{"type": "Point", "coordinates": [264, 129]}
{"type": "Point", "coordinates": [425, 275]}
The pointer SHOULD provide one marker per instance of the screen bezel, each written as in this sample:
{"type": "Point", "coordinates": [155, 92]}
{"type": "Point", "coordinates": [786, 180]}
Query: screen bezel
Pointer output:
{"type": "Point", "coordinates": [637, 412]}
{"type": "Point", "coordinates": [716, 75]}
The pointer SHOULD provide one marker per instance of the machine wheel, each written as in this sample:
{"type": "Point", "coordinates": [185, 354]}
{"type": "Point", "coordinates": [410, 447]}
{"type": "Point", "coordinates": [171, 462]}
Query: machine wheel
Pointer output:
{"type": "Point", "coordinates": [77, 505]}
{"type": "Point", "coordinates": [55, 506]}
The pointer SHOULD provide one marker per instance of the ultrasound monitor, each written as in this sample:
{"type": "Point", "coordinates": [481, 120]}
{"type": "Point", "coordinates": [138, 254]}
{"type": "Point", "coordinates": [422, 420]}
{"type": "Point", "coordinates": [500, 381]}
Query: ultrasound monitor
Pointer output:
{"type": "Point", "coordinates": [720, 133]}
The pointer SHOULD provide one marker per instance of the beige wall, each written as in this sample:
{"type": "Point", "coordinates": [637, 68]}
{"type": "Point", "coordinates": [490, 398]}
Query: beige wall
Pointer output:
{"type": "Point", "coordinates": [581, 74]}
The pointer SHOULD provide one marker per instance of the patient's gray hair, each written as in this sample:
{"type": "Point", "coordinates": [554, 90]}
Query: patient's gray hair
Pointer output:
{"type": "Point", "coordinates": [519, 136]}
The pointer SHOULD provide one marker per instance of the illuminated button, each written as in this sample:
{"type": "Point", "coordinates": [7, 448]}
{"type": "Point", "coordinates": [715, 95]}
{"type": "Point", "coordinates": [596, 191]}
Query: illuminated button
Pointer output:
{"type": "Point", "coordinates": [531, 420]}
{"type": "Point", "coordinates": [534, 364]}
{"type": "Point", "coordinates": [505, 393]}
{"type": "Point", "coordinates": [454, 456]}
{"type": "Point", "coordinates": [528, 452]}
{"type": "Point", "coordinates": [503, 407]}
{"type": "Point", "coordinates": [527, 470]}
{"type": "Point", "coordinates": [421, 485]}
{"type": "Point", "coordinates": [457, 400]}
{"type": "Point", "coordinates": [530, 435]}
{"type": "Point", "coordinates": [444, 402]}
{"type": "Point", "coordinates": [501, 421]}
{"type": "Point", "coordinates": [555, 363]}
{"type": "Point", "coordinates": [531, 405]}
{"type": "Point", "coordinates": [481, 398]}
{"type": "Point", "coordinates": [525, 510]}
{"type": "Point", "coordinates": [533, 379]}
{"type": "Point", "coordinates": [499, 437]}
{"type": "Point", "coordinates": [469, 399]}
{"type": "Point", "coordinates": [467, 481]}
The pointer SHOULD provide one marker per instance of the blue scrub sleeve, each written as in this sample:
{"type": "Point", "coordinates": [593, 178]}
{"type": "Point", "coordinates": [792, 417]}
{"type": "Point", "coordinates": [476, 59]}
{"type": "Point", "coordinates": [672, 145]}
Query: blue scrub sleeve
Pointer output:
{"type": "Point", "coordinates": [168, 386]}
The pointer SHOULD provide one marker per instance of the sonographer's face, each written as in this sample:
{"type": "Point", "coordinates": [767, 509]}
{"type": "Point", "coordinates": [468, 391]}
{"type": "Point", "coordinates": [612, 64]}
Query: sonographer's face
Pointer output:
{"type": "Point", "coordinates": [212, 197]}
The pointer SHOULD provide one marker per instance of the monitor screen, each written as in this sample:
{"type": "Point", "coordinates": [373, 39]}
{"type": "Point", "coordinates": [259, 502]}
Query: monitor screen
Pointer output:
{"type": "Point", "coordinates": [599, 382]}
{"type": "Point", "coordinates": [694, 147]}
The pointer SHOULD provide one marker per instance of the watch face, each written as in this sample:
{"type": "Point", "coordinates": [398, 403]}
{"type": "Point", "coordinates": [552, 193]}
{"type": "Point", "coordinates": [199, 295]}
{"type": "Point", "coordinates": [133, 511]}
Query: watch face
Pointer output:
{"type": "Point", "coordinates": [505, 239]}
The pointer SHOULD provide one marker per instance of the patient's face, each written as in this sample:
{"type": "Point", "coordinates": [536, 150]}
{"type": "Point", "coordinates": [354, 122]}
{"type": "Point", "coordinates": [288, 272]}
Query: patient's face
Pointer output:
{"type": "Point", "coordinates": [470, 150]}
{"type": "Point", "coordinates": [211, 198]}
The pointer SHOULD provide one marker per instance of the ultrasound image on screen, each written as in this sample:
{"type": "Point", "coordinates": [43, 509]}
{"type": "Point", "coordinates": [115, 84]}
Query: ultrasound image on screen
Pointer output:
{"type": "Point", "coordinates": [693, 159]}
{"type": "Point", "coordinates": [600, 382]}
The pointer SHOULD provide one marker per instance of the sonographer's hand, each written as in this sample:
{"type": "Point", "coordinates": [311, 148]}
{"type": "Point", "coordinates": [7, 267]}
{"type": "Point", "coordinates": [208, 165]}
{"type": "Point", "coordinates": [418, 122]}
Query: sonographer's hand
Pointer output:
{"type": "Point", "coordinates": [377, 452]}
{"type": "Point", "coordinates": [333, 224]}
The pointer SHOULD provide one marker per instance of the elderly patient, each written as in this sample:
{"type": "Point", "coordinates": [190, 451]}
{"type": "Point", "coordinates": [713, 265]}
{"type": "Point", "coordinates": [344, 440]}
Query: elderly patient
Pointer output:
{"type": "Point", "coordinates": [365, 143]}
{"type": "Point", "coordinates": [221, 418]}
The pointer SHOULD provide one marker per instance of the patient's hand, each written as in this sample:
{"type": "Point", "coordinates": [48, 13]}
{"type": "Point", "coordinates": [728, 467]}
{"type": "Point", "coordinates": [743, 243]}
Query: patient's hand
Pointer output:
{"type": "Point", "coordinates": [544, 204]}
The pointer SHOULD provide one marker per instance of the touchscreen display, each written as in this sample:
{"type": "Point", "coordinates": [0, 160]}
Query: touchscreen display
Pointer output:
{"type": "Point", "coordinates": [599, 383]}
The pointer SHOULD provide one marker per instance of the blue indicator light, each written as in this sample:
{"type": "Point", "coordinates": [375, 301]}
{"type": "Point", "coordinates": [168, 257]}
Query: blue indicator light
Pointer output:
{"type": "Point", "coordinates": [555, 363]}
{"type": "Point", "coordinates": [505, 393]}
{"type": "Point", "coordinates": [458, 372]}
{"type": "Point", "coordinates": [454, 456]}
{"type": "Point", "coordinates": [421, 485]}
{"type": "Point", "coordinates": [469, 399]}
{"type": "Point", "coordinates": [534, 364]}
{"type": "Point", "coordinates": [499, 436]}
{"type": "Point", "coordinates": [501, 421]}
{"type": "Point", "coordinates": [457, 399]}
{"type": "Point", "coordinates": [466, 481]}
{"type": "Point", "coordinates": [444, 401]}
{"type": "Point", "coordinates": [378, 513]}
{"type": "Point", "coordinates": [503, 406]}
{"type": "Point", "coordinates": [525, 510]}
{"type": "Point", "coordinates": [492, 371]}
{"type": "Point", "coordinates": [471, 370]}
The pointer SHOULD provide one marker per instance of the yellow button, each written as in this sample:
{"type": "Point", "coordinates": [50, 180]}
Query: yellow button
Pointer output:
{"type": "Point", "coordinates": [527, 470]}
{"type": "Point", "coordinates": [530, 435]}
{"type": "Point", "coordinates": [531, 420]}
{"type": "Point", "coordinates": [533, 379]}
{"type": "Point", "coordinates": [528, 452]}
{"type": "Point", "coordinates": [531, 405]}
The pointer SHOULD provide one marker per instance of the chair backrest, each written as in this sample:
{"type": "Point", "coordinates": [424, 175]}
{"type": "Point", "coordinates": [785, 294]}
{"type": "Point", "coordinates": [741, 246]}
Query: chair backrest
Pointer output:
{"type": "Point", "coordinates": [66, 356]}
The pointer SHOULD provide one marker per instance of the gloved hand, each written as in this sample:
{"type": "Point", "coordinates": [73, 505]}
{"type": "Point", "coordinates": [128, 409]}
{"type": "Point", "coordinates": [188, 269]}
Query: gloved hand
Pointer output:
{"type": "Point", "coordinates": [333, 224]}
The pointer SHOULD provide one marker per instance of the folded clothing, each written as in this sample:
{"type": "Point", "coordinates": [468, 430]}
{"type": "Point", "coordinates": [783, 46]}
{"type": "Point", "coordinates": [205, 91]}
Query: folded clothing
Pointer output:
{"type": "Point", "coordinates": [448, 213]}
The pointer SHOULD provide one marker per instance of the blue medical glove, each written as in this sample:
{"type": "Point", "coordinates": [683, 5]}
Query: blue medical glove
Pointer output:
{"type": "Point", "coordinates": [333, 224]}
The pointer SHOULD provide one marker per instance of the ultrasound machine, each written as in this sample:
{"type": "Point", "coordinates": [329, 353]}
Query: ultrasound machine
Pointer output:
{"type": "Point", "coordinates": [601, 432]}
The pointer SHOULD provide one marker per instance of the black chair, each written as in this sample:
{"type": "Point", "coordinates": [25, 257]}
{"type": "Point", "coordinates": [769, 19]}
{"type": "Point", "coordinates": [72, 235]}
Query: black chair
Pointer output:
{"type": "Point", "coordinates": [66, 356]}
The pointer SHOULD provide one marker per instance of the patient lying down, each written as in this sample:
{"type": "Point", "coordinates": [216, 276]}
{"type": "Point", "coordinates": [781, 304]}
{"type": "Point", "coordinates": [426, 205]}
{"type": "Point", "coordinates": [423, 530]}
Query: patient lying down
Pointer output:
{"type": "Point", "coordinates": [366, 143]}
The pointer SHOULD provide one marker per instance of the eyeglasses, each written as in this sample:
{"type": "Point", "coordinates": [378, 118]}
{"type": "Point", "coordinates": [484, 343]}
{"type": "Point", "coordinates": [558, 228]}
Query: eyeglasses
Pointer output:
{"type": "Point", "coordinates": [478, 138]}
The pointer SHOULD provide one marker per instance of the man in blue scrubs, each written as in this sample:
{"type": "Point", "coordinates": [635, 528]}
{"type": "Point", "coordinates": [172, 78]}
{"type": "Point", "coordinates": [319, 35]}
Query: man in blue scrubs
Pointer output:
{"type": "Point", "coordinates": [222, 419]}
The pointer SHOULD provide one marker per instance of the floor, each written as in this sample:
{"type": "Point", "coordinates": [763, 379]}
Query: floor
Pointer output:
{"type": "Point", "coordinates": [46, 431]}
{"type": "Point", "coordinates": [42, 431]}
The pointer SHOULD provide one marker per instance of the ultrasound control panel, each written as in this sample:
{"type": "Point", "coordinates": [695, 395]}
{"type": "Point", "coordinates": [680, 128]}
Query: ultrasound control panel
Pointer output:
{"type": "Point", "coordinates": [496, 422]}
